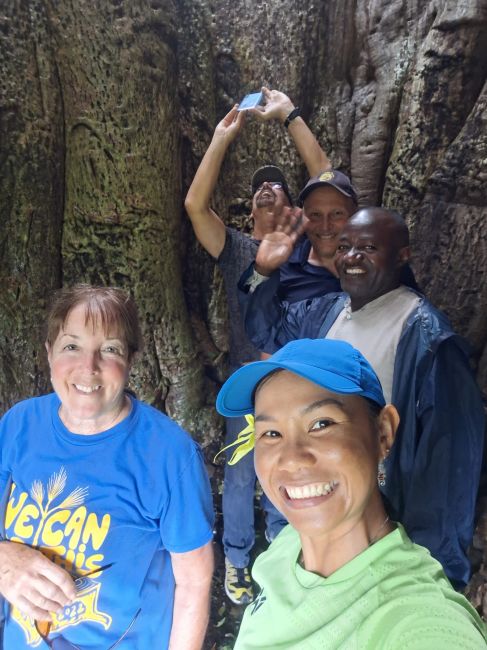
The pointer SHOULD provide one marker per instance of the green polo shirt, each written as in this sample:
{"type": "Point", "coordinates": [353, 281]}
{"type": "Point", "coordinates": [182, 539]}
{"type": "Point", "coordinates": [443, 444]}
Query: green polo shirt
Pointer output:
{"type": "Point", "coordinates": [393, 596]}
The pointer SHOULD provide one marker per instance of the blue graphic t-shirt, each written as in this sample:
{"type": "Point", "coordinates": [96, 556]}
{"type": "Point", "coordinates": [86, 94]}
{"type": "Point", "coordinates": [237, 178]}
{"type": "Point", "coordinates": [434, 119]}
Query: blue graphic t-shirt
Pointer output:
{"type": "Point", "coordinates": [122, 499]}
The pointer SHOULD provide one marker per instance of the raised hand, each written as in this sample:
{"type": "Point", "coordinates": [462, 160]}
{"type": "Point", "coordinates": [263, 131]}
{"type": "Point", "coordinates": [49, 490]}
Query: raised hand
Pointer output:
{"type": "Point", "coordinates": [277, 246]}
{"type": "Point", "coordinates": [227, 129]}
{"type": "Point", "coordinates": [277, 106]}
{"type": "Point", "coordinates": [32, 583]}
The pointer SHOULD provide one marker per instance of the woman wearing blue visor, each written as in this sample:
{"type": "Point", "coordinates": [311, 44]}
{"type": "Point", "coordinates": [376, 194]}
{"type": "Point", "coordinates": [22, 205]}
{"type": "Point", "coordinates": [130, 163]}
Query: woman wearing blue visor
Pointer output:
{"type": "Point", "coordinates": [342, 574]}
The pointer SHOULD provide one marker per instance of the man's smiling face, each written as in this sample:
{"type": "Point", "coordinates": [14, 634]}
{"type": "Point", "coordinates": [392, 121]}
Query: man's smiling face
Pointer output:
{"type": "Point", "coordinates": [371, 250]}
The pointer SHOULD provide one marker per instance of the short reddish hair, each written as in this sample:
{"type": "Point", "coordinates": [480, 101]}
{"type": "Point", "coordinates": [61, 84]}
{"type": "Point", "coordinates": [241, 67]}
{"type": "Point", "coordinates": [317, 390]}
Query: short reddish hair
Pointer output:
{"type": "Point", "coordinates": [110, 306]}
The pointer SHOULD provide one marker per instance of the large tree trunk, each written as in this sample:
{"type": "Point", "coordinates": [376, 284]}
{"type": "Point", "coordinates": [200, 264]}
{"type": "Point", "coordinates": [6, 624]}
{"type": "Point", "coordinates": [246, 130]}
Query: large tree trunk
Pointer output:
{"type": "Point", "coordinates": [108, 106]}
{"type": "Point", "coordinates": [31, 190]}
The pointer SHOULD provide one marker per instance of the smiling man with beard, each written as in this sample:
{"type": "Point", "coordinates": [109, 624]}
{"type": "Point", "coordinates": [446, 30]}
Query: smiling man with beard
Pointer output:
{"type": "Point", "coordinates": [234, 251]}
{"type": "Point", "coordinates": [432, 471]}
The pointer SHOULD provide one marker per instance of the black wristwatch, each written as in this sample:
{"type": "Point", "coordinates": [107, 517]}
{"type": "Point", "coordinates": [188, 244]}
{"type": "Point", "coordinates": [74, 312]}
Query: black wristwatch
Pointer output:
{"type": "Point", "coordinates": [294, 113]}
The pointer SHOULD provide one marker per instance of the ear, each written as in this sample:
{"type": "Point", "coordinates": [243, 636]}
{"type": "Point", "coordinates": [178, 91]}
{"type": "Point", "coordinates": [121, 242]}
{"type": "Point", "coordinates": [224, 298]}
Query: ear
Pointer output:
{"type": "Point", "coordinates": [404, 255]}
{"type": "Point", "coordinates": [388, 423]}
{"type": "Point", "coordinates": [48, 350]}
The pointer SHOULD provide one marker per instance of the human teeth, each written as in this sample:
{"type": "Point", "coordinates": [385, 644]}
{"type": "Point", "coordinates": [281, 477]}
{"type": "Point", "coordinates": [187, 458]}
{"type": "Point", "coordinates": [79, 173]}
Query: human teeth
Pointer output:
{"type": "Point", "coordinates": [354, 271]}
{"type": "Point", "coordinates": [87, 389]}
{"type": "Point", "coordinates": [311, 490]}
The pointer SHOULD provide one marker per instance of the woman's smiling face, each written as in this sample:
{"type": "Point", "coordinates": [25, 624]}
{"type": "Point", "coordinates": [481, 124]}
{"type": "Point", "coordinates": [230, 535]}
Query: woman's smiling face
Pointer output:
{"type": "Point", "coordinates": [89, 371]}
{"type": "Point", "coordinates": [316, 454]}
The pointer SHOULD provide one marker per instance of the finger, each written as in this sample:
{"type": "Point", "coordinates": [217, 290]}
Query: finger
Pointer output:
{"type": "Point", "coordinates": [284, 219]}
{"type": "Point", "coordinates": [230, 116]}
{"type": "Point", "coordinates": [28, 609]}
{"type": "Point", "coordinates": [42, 601]}
{"type": "Point", "coordinates": [41, 593]}
{"type": "Point", "coordinates": [240, 118]}
{"type": "Point", "coordinates": [58, 583]}
{"type": "Point", "coordinates": [297, 232]}
{"type": "Point", "coordinates": [266, 91]}
{"type": "Point", "coordinates": [259, 112]}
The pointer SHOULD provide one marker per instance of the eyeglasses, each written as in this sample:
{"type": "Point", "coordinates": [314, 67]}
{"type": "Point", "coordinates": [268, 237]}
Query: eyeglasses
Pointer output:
{"type": "Point", "coordinates": [275, 185]}
{"type": "Point", "coordinates": [59, 642]}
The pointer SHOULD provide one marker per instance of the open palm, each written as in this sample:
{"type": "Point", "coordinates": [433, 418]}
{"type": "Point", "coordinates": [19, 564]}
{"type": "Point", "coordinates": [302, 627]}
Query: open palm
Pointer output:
{"type": "Point", "coordinates": [276, 247]}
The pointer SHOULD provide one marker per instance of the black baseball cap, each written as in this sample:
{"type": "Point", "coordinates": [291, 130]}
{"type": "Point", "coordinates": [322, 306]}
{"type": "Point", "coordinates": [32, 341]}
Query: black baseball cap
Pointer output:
{"type": "Point", "coordinates": [333, 178]}
{"type": "Point", "coordinates": [270, 174]}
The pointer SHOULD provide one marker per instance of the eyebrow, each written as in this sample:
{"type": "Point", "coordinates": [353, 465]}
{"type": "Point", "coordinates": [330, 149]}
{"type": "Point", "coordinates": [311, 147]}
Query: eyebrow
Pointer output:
{"type": "Point", "coordinates": [75, 336]}
{"type": "Point", "coordinates": [327, 401]}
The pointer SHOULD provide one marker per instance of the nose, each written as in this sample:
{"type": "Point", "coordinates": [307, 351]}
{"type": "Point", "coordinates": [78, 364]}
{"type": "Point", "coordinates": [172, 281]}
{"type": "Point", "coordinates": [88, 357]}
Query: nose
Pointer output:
{"type": "Point", "coordinates": [325, 223]}
{"type": "Point", "coordinates": [353, 254]}
{"type": "Point", "coordinates": [295, 454]}
{"type": "Point", "coordinates": [91, 361]}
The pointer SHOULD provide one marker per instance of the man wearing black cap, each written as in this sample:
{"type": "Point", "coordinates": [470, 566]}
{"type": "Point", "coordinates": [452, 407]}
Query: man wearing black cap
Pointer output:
{"type": "Point", "coordinates": [234, 251]}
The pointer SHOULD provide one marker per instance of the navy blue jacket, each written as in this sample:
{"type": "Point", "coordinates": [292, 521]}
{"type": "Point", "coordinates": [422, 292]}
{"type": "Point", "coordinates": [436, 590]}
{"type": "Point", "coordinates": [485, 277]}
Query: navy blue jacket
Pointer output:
{"type": "Point", "coordinates": [433, 469]}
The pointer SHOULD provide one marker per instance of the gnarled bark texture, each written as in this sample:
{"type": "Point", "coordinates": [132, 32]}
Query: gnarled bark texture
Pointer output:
{"type": "Point", "coordinates": [107, 107]}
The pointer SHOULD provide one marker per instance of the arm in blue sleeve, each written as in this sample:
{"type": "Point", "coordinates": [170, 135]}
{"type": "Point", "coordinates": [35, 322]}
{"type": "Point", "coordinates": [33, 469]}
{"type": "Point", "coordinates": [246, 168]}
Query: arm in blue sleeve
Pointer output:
{"type": "Point", "coordinates": [269, 323]}
{"type": "Point", "coordinates": [440, 502]}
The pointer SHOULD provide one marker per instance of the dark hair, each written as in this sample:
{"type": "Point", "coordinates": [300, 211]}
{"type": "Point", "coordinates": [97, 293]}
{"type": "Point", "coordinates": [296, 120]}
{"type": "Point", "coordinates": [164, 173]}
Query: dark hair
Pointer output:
{"type": "Point", "coordinates": [374, 408]}
{"type": "Point", "coordinates": [110, 306]}
{"type": "Point", "coordinates": [263, 381]}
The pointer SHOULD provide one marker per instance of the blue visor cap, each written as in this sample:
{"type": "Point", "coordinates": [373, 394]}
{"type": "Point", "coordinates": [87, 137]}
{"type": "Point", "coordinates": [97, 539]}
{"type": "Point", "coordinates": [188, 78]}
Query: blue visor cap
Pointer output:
{"type": "Point", "coordinates": [334, 365]}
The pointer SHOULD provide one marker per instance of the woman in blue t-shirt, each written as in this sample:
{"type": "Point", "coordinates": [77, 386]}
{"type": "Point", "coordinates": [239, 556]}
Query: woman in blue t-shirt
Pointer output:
{"type": "Point", "coordinates": [106, 511]}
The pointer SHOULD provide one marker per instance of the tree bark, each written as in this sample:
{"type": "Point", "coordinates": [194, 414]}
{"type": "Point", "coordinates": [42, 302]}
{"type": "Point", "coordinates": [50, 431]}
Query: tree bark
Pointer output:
{"type": "Point", "coordinates": [31, 173]}
{"type": "Point", "coordinates": [107, 107]}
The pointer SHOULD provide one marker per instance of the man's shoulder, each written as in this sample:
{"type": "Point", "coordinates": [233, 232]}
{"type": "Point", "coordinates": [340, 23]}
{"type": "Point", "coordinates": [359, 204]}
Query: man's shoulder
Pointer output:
{"type": "Point", "coordinates": [239, 236]}
{"type": "Point", "coordinates": [336, 299]}
{"type": "Point", "coordinates": [429, 318]}
{"type": "Point", "coordinates": [427, 329]}
{"type": "Point", "coordinates": [238, 244]}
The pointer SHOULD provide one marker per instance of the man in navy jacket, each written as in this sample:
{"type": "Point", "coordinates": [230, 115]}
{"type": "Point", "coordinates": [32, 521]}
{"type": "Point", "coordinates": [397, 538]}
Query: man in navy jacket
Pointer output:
{"type": "Point", "coordinates": [433, 468]}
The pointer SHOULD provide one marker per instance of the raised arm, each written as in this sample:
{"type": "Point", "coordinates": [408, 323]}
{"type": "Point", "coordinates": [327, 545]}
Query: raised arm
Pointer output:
{"type": "Point", "coordinates": [207, 225]}
{"type": "Point", "coordinates": [279, 106]}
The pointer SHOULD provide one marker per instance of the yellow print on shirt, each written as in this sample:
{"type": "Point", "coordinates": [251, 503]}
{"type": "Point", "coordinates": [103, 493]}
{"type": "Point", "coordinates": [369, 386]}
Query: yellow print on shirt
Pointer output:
{"type": "Point", "coordinates": [69, 535]}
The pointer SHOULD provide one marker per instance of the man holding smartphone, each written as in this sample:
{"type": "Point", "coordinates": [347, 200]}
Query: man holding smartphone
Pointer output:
{"type": "Point", "coordinates": [234, 251]}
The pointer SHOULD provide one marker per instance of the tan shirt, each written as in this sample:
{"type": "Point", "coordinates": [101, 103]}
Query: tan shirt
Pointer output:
{"type": "Point", "coordinates": [375, 330]}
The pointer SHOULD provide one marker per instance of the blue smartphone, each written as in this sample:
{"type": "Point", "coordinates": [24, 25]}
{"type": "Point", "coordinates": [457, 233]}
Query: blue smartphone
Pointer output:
{"type": "Point", "coordinates": [250, 101]}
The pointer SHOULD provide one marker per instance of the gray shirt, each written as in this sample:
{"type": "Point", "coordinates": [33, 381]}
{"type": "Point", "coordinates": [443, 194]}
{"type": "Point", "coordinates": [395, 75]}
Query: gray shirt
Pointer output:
{"type": "Point", "coordinates": [237, 255]}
